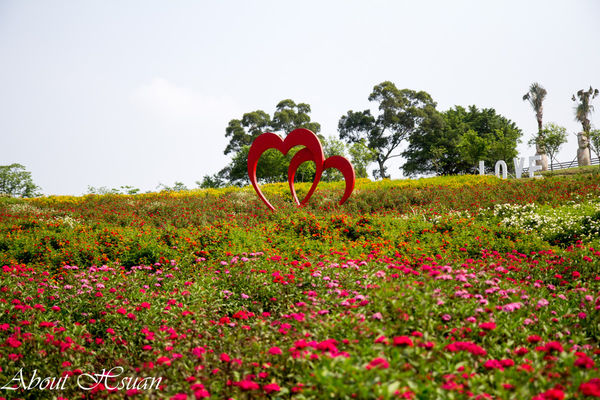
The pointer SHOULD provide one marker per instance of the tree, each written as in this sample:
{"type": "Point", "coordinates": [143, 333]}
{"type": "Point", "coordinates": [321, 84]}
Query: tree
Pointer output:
{"type": "Point", "coordinates": [212, 181]}
{"type": "Point", "coordinates": [595, 141]}
{"type": "Point", "coordinates": [289, 116]}
{"type": "Point", "coordinates": [473, 147]}
{"type": "Point", "coordinates": [452, 142]}
{"type": "Point", "coordinates": [177, 187]}
{"type": "Point", "coordinates": [16, 181]}
{"type": "Point", "coordinates": [400, 114]}
{"type": "Point", "coordinates": [243, 132]}
{"type": "Point", "coordinates": [361, 156]}
{"type": "Point", "coordinates": [536, 96]}
{"type": "Point", "coordinates": [272, 166]}
{"type": "Point", "coordinates": [583, 109]}
{"type": "Point", "coordinates": [551, 139]}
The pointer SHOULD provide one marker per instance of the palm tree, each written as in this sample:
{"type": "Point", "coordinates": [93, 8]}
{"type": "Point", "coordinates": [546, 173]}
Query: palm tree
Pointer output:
{"type": "Point", "coordinates": [536, 96]}
{"type": "Point", "coordinates": [582, 112]}
{"type": "Point", "coordinates": [584, 108]}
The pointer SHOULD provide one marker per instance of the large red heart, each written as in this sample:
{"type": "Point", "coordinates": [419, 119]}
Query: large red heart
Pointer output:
{"type": "Point", "coordinates": [337, 162]}
{"type": "Point", "coordinates": [297, 137]}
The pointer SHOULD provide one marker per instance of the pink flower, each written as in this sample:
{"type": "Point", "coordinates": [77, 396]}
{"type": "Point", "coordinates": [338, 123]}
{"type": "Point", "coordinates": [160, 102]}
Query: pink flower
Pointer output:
{"type": "Point", "coordinates": [493, 364]}
{"type": "Point", "coordinates": [488, 326]}
{"type": "Point", "coordinates": [225, 357]}
{"type": "Point", "coordinates": [271, 387]}
{"type": "Point", "coordinates": [379, 362]}
{"type": "Point", "coordinates": [12, 342]}
{"type": "Point", "coordinates": [381, 339]}
{"type": "Point", "coordinates": [247, 385]}
{"type": "Point", "coordinates": [403, 341]}
{"type": "Point", "coordinates": [202, 394]}
{"type": "Point", "coordinates": [591, 388]}
{"type": "Point", "coordinates": [163, 360]}
{"type": "Point", "coordinates": [275, 351]}
{"type": "Point", "coordinates": [198, 351]}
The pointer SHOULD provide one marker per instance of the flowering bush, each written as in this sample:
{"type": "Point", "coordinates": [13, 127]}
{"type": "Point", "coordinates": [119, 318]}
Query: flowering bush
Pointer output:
{"type": "Point", "coordinates": [414, 289]}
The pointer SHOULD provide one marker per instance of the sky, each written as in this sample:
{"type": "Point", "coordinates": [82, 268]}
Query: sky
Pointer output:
{"type": "Point", "coordinates": [139, 93]}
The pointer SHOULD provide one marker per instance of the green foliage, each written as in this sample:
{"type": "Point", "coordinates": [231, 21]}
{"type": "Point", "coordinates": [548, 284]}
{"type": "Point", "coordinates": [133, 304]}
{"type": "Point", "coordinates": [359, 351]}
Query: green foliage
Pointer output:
{"type": "Point", "coordinates": [536, 96]}
{"type": "Point", "coordinates": [104, 190]}
{"type": "Point", "coordinates": [584, 107]}
{"type": "Point", "coordinates": [211, 181]}
{"type": "Point", "coordinates": [361, 156]}
{"type": "Point", "coordinates": [177, 187]}
{"type": "Point", "coordinates": [550, 139]}
{"type": "Point", "coordinates": [401, 112]}
{"type": "Point", "coordinates": [418, 289]}
{"type": "Point", "coordinates": [272, 166]}
{"type": "Point", "coordinates": [458, 139]}
{"type": "Point", "coordinates": [16, 181]}
{"type": "Point", "coordinates": [594, 142]}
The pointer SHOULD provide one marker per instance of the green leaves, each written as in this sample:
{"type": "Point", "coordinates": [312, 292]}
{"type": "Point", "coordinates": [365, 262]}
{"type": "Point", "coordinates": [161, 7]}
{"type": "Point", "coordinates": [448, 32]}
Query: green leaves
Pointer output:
{"type": "Point", "coordinates": [467, 136]}
{"type": "Point", "coordinates": [272, 167]}
{"type": "Point", "coordinates": [401, 114]}
{"type": "Point", "coordinates": [16, 181]}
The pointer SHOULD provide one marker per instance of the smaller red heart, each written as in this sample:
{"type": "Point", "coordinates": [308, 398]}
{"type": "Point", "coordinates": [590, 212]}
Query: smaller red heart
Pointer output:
{"type": "Point", "coordinates": [338, 162]}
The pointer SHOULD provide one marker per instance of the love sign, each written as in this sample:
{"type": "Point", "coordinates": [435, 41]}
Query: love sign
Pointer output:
{"type": "Point", "coordinates": [312, 151]}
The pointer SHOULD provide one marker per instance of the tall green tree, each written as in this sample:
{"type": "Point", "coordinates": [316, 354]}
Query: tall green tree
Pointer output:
{"type": "Point", "coordinates": [552, 138]}
{"type": "Point", "coordinates": [241, 132]}
{"type": "Point", "coordinates": [289, 116]}
{"type": "Point", "coordinates": [595, 141]}
{"type": "Point", "coordinates": [583, 109]}
{"type": "Point", "coordinates": [361, 156]}
{"type": "Point", "coordinates": [455, 140]}
{"type": "Point", "coordinates": [16, 181]}
{"type": "Point", "coordinates": [272, 166]}
{"type": "Point", "coordinates": [400, 114]}
{"type": "Point", "coordinates": [535, 96]}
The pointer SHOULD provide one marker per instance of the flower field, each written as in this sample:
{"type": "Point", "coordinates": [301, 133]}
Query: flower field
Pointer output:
{"type": "Point", "coordinates": [440, 288]}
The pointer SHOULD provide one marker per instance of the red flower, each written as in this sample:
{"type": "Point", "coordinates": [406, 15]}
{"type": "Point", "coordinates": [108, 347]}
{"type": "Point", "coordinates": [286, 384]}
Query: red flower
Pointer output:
{"type": "Point", "coordinates": [488, 326]}
{"type": "Point", "coordinates": [553, 346]}
{"type": "Point", "coordinates": [553, 394]}
{"type": "Point", "coordinates": [534, 339]}
{"type": "Point", "coordinates": [163, 360]}
{"type": "Point", "coordinates": [247, 385]}
{"type": "Point", "coordinates": [591, 388]}
{"type": "Point", "coordinates": [403, 341]}
{"type": "Point", "coordinates": [271, 387]}
{"type": "Point", "coordinates": [378, 363]}
{"type": "Point", "coordinates": [584, 361]}
{"type": "Point", "coordinates": [521, 351]}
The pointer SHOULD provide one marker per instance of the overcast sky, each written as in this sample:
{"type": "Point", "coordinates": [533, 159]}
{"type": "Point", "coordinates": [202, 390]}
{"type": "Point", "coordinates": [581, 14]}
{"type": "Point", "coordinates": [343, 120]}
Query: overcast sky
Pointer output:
{"type": "Point", "coordinates": [112, 93]}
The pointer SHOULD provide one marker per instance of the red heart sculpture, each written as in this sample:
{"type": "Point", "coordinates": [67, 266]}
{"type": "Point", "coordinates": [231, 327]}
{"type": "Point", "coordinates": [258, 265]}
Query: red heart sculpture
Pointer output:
{"type": "Point", "coordinates": [338, 162]}
{"type": "Point", "coordinates": [297, 137]}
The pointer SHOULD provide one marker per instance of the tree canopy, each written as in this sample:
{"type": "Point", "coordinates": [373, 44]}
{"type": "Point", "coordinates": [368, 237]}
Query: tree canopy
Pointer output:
{"type": "Point", "coordinates": [455, 140]}
{"type": "Point", "coordinates": [16, 181]}
{"type": "Point", "coordinates": [272, 166]}
{"type": "Point", "coordinates": [287, 116]}
{"type": "Point", "coordinates": [550, 139]}
{"type": "Point", "coordinates": [401, 113]}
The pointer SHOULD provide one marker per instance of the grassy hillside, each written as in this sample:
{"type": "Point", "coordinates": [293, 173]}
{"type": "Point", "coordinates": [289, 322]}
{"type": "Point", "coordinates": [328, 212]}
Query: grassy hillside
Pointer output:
{"type": "Point", "coordinates": [432, 288]}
